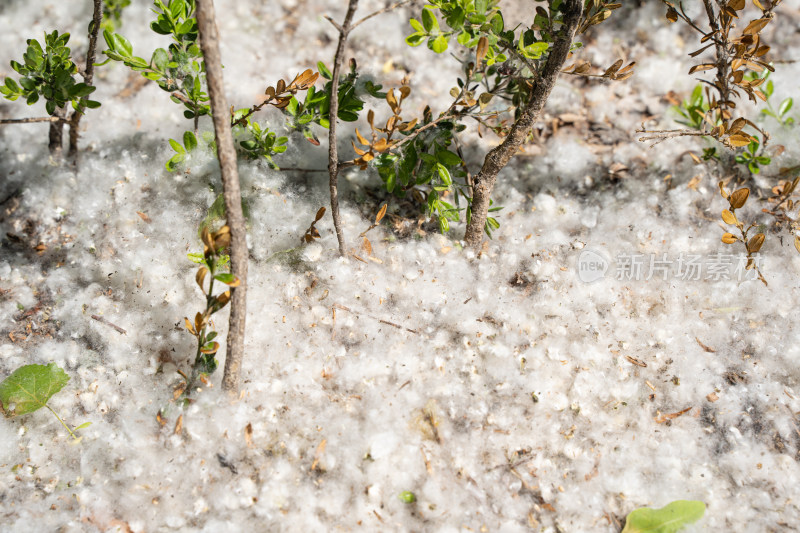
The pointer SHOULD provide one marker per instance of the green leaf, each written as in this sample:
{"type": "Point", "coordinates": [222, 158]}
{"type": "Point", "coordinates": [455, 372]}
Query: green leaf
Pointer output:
{"type": "Point", "coordinates": [668, 519]}
{"type": "Point", "coordinates": [444, 174]}
{"type": "Point", "coordinates": [227, 279]}
{"type": "Point", "coordinates": [429, 21]}
{"type": "Point", "coordinates": [12, 85]}
{"type": "Point", "coordinates": [438, 45]}
{"type": "Point", "coordinates": [323, 71]}
{"type": "Point", "coordinates": [448, 158]}
{"type": "Point", "coordinates": [417, 25]}
{"type": "Point", "coordinates": [122, 45]}
{"type": "Point", "coordinates": [415, 39]}
{"type": "Point", "coordinates": [160, 59]}
{"type": "Point", "coordinates": [172, 164]}
{"type": "Point", "coordinates": [84, 425]}
{"type": "Point", "coordinates": [29, 388]}
{"type": "Point", "coordinates": [189, 141]}
{"type": "Point", "coordinates": [786, 105]}
{"type": "Point", "coordinates": [177, 146]}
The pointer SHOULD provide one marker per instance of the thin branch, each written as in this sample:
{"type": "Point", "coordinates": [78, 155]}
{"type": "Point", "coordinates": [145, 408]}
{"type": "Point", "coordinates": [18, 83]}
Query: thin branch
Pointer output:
{"type": "Point", "coordinates": [379, 12]}
{"type": "Point", "coordinates": [333, 154]}
{"type": "Point", "coordinates": [297, 169]}
{"type": "Point", "coordinates": [120, 330]}
{"type": "Point", "coordinates": [660, 136]}
{"type": "Point", "coordinates": [88, 78]}
{"type": "Point", "coordinates": [30, 120]}
{"type": "Point", "coordinates": [226, 152]}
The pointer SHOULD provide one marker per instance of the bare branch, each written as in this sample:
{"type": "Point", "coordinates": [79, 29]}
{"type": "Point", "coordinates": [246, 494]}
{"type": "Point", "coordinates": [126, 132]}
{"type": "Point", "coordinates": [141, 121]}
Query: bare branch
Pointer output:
{"type": "Point", "coordinates": [30, 120]}
{"type": "Point", "coordinates": [379, 12]}
{"type": "Point", "coordinates": [88, 78]}
{"type": "Point", "coordinates": [333, 153]}
{"type": "Point", "coordinates": [226, 152]}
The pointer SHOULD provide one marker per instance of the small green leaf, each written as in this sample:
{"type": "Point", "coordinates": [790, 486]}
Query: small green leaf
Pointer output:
{"type": "Point", "coordinates": [323, 71]}
{"type": "Point", "coordinates": [189, 141]}
{"type": "Point", "coordinates": [228, 279]}
{"type": "Point", "coordinates": [448, 158]}
{"type": "Point", "coordinates": [84, 425]}
{"type": "Point", "coordinates": [429, 21]}
{"type": "Point", "coordinates": [29, 388]}
{"type": "Point", "coordinates": [160, 59]}
{"type": "Point", "coordinates": [668, 519]}
{"type": "Point", "coordinates": [407, 497]}
{"type": "Point", "coordinates": [122, 45]}
{"type": "Point", "coordinates": [415, 39]}
{"type": "Point", "coordinates": [177, 146]}
{"type": "Point", "coordinates": [416, 25]}
{"type": "Point", "coordinates": [786, 105]}
{"type": "Point", "coordinates": [439, 44]}
{"type": "Point", "coordinates": [444, 174]}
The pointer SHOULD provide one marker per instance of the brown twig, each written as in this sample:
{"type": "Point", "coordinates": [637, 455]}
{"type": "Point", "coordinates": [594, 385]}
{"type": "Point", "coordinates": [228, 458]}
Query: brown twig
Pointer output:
{"type": "Point", "coordinates": [56, 133]}
{"type": "Point", "coordinates": [333, 154]}
{"type": "Point", "coordinates": [107, 323]}
{"type": "Point", "coordinates": [379, 12]}
{"type": "Point", "coordinates": [88, 78]}
{"type": "Point", "coordinates": [226, 152]}
{"type": "Point", "coordinates": [297, 169]}
{"type": "Point", "coordinates": [499, 157]}
{"type": "Point", "coordinates": [381, 320]}
{"type": "Point", "coordinates": [660, 136]}
{"type": "Point", "coordinates": [30, 120]}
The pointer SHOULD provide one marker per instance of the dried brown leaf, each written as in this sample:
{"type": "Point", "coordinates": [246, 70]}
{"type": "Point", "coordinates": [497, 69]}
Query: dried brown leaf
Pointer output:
{"type": "Point", "coordinates": [754, 244]}
{"type": "Point", "coordinates": [739, 197]}
{"type": "Point", "coordinates": [381, 214]}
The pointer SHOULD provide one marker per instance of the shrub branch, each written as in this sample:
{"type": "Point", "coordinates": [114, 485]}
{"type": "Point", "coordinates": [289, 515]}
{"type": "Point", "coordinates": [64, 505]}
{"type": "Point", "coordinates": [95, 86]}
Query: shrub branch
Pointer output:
{"type": "Point", "coordinates": [88, 77]}
{"type": "Point", "coordinates": [333, 153]}
{"type": "Point", "coordinates": [495, 160]}
{"type": "Point", "coordinates": [226, 152]}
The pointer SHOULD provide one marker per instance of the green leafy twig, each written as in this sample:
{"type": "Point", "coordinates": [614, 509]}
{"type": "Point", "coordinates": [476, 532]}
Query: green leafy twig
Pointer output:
{"type": "Point", "coordinates": [205, 362]}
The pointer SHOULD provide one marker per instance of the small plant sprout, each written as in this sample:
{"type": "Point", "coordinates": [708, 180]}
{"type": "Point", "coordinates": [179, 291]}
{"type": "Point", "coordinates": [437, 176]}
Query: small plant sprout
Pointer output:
{"type": "Point", "coordinates": [669, 519]}
{"type": "Point", "coordinates": [780, 114]}
{"type": "Point", "coordinates": [29, 388]}
{"type": "Point", "coordinates": [211, 270]}
{"type": "Point", "coordinates": [736, 200]}
{"type": "Point", "coordinates": [753, 156]}
{"type": "Point", "coordinates": [407, 496]}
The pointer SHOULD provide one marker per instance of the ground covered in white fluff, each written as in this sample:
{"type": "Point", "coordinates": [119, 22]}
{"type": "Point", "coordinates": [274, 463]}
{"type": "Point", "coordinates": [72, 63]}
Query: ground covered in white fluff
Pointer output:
{"type": "Point", "coordinates": [502, 390]}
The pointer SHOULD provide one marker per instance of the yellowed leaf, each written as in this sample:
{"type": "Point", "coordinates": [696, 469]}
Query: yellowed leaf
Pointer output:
{"type": "Point", "coordinates": [728, 217]}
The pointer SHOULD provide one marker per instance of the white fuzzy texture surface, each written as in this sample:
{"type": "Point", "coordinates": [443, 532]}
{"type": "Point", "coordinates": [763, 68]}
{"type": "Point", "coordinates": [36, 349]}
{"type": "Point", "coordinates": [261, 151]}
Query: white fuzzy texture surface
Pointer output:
{"type": "Point", "coordinates": [500, 390]}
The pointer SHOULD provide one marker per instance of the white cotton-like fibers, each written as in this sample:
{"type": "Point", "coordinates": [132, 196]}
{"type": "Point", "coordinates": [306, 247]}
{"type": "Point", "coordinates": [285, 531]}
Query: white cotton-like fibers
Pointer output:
{"type": "Point", "coordinates": [424, 368]}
